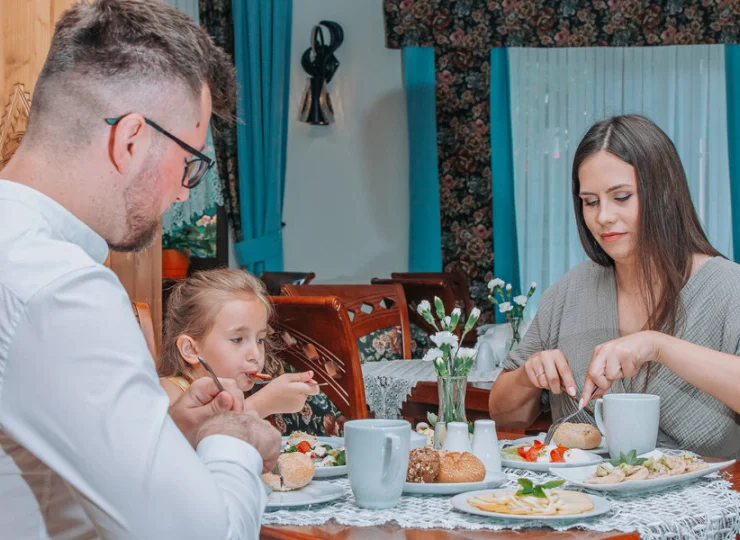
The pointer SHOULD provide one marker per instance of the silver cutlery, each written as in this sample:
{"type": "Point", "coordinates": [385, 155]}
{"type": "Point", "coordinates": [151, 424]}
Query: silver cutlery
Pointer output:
{"type": "Point", "coordinates": [556, 425]}
{"type": "Point", "coordinates": [213, 375]}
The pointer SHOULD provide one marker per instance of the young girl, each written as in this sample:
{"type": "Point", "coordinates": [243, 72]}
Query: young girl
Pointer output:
{"type": "Point", "coordinates": [222, 315]}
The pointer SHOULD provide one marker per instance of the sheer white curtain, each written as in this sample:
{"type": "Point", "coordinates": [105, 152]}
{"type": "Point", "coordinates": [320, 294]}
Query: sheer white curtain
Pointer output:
{"type": "Point", "coordinates": [557, 94]}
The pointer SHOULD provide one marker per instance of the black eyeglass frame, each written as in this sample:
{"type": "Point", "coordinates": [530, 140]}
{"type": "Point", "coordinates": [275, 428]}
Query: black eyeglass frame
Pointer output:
{"type": "Point", "coordinates": [198, 156]}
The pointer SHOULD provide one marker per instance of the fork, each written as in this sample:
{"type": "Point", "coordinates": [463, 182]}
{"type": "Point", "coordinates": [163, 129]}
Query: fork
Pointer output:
{"type": "Point", "coordinates": [556, 425]}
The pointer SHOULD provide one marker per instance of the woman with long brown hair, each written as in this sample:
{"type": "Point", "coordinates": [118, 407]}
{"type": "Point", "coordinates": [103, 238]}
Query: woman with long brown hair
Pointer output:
{"type": "Point", "coordinates": [655, 310]}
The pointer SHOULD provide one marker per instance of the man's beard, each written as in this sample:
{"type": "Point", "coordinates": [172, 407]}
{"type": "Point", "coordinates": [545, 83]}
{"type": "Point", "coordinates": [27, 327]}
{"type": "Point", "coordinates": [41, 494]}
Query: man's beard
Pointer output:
{"type": "Point", "coordinates": [142, 220]}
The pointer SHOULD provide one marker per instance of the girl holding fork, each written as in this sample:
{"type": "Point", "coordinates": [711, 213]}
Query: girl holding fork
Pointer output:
{"type": "Point", "coordinates": [222, 316]}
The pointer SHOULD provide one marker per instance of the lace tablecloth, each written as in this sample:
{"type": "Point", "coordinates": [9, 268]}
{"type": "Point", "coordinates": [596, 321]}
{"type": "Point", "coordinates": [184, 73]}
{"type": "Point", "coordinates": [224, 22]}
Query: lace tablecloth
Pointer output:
{"type": "Point", "coordinates": [389, 383]}
{"type": "Point", "coordinates": [706, 509]}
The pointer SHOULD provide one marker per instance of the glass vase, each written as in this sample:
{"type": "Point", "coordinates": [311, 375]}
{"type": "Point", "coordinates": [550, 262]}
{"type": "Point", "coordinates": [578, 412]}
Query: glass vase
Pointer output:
{"type": "Point", "coordinates": [451, 392]}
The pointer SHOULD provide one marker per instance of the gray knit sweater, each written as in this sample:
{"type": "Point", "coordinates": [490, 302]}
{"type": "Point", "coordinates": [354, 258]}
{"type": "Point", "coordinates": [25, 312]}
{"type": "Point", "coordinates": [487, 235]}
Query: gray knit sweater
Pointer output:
{"type": "Point", "coordinates": [579, 312]}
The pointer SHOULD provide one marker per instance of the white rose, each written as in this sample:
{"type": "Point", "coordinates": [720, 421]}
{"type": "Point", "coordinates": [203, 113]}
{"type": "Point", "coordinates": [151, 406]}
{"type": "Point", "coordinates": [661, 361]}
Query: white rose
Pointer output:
{"type": "Point", "coordinates": [505, 307]}
{"type": "Point", "coordinates": [464, 352]}
{"type": "Point", "coordinates": [521, 300]}
{"type": "Point", "coordinates": [444, 338]}
{"type": "Point", "coordinates": [433, 354]}
{"type": "Point", "coordinates": [495, 283]}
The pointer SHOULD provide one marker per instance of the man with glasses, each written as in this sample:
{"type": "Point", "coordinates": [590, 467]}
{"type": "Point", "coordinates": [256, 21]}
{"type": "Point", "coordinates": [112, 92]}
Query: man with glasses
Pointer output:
{"type": "Point", "coordinates": [87, 447]}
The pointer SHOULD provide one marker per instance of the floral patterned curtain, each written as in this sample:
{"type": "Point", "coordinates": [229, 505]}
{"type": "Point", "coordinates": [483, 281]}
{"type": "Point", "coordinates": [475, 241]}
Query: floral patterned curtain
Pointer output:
{"type": "Point", "coordinates": [462, 33]}
{"type": "Point", "coordinates": [216, 18]}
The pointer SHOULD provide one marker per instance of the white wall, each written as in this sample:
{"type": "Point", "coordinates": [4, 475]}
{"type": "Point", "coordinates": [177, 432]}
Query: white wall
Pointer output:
{"type": "Point", "coordinates": [346, 195]}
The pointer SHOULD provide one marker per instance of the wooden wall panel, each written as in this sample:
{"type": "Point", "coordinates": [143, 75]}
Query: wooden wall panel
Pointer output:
{"type": "Point", "coordinates": [26, 28]}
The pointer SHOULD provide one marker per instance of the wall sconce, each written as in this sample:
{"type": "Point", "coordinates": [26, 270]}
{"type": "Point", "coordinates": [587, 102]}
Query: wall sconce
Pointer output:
{"type": "Point", "coordinates": [321, 65]}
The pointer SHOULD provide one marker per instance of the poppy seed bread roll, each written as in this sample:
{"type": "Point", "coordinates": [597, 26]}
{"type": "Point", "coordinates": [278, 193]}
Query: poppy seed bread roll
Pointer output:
{"type": "Point", "coordinates": [583, 436]}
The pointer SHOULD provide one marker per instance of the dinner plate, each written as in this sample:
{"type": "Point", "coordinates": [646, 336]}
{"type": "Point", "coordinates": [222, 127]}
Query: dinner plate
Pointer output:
{"type": "Point", "coordinates": [460, 502]}
{"type": "Point", "coordinates": [601, 449]}
{"type": "Point", "coordinates": [490, 481]}
{"type": "Point", "coordinates": [327, 472]}
{"type": "Point", "coordinates": [577, 475]}
{"type": "Point", "coordinates": [544, 467]}
{"type": "Point", "coordinates": [313, 493]}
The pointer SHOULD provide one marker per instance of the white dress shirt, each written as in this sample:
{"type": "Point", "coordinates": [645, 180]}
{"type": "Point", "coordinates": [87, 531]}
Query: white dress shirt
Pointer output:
{"type": "Point", "coordinates": [87, 448]}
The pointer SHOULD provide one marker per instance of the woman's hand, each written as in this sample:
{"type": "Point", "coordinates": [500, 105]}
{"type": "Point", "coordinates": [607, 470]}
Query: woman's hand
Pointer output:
{"type": "Point", "coordinates": [549, 370]}
{"type": "Point", "coordinates": [619, 358]}
{"type": "Point", "coordinates": [284, 394]}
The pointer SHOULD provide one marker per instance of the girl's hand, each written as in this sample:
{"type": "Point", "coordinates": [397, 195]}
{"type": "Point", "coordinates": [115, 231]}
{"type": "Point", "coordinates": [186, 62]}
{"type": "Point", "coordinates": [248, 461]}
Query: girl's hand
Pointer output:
{"type": "Point", "coordinates": [284, 394]}
{"type": "Point", "coordinates": [549, 370]}
{"type": "Point", "coordinates": [619, 358]}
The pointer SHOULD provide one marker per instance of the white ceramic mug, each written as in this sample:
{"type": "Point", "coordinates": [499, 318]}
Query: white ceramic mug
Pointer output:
{"type": "Point", "coordinates": [377, 460]}
{"type": "Point", "coordinates": [629, 422]}
{"type": "Point", "coordinates": [485, 445]}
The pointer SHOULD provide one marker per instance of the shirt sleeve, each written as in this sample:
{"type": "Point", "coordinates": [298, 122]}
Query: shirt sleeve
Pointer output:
{"type": "Point", "coordinates": [79, 390]}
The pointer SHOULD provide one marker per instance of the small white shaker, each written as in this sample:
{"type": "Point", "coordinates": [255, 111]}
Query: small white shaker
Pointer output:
{"type": "Point", "coordinates": [457, 438]}
{"type": "Point", "coordinates": [485, 360]}
{"type": "Point", "coordinates": [485, 445]}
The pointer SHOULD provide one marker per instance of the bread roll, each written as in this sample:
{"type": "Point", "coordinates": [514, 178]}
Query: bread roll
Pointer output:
{"type": "Point", "coordinates": [293, 471]}
{"type": "Point", "coordinates": [458, 467]}
{"type": "Point", "coordinates": [423, 465]}
{"type": "Point", "coordinates": [583, 436]}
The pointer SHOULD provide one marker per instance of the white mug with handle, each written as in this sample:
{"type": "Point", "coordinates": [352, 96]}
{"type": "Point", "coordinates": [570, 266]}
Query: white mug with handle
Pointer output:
{"type": "Point", "coordinates": [629, 422]}
{"type": "Point", "coordinates": [377, 459]}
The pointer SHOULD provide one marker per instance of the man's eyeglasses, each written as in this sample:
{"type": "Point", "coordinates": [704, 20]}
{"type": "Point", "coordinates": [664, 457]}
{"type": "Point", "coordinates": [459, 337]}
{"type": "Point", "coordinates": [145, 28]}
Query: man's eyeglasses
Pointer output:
{"type": "Point", "coordinates": [195, 168]}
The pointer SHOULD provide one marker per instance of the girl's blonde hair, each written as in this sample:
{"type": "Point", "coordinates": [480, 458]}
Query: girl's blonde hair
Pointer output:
{"type": "Point", "coordinates": [192, 308]}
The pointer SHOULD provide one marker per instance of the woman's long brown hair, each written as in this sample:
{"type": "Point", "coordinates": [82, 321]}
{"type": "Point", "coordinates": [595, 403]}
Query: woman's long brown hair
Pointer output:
{"type": "Point", "coordinates": [669, 231]}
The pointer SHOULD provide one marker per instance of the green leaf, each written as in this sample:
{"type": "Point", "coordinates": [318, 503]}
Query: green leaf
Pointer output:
{"type": "Point", "coordinates": [539, 492]}
{"type": "Point", "coordinates": [470, 427]}
{"type": "Point", "coordinates": [528, 488]}
{"type": "Point", "coordinates": [552, 484]}
{"type": "Point", "coordinates": [629, 459]}
{"type": "Point", "coordinates": [341, 459]}
{"type": "Point", "coordinates": [525, 483]}
{"type": "Point", "coordinates": [432, 419]}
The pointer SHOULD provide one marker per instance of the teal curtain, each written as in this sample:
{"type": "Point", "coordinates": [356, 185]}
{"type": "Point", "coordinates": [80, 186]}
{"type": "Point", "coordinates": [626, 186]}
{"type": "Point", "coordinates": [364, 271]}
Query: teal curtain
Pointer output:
{"type": "Point", "coordinates": [505, 252]}
{"type": "Point", "coordinates": [732, 80]}
{"type": "Point", "coordinates": [425, 233]}
{"type": "Point", "coordinates": [262, 35]}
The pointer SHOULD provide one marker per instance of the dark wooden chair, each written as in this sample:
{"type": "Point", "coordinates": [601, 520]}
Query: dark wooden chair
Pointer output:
{"type": "Point", "coordinates": [275, 280]}
{"type": "Point", "coordinates": [315, 334]}
{"type": "Point", "coordinates": [457, 280]}
{"type": "Point", "coordinates": [144, 315]}
{"type": "Point", "coordinates": [374, 311]}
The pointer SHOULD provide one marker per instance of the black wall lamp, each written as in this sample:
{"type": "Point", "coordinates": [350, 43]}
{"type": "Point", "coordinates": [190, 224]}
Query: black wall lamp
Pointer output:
{"type": "Point", "coordinates": [321, 65]}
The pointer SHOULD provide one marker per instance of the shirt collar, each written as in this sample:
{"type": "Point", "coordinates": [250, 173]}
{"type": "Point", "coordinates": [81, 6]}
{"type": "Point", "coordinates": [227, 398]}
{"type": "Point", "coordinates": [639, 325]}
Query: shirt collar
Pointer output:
{"type": "Point", "coordinates": [64, 222]}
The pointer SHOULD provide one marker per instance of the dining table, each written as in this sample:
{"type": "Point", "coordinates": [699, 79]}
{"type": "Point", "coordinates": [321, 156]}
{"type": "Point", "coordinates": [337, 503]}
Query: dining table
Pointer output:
{"type": "Point", "coordinates": [390, 531]}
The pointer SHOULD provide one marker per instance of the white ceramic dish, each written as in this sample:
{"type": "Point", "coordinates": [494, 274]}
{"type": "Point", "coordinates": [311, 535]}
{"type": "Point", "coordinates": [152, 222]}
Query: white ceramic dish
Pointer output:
{"type": "Point", "coordinates": [577, 475]}
{"type": "Point", "coordinates": [491, 480]}
{"type": "Point", "coordinates": [313, 493]}
{"type": "Point", "coordinates": [460, 502]}
{"type": "Point", "coordinates": [544, 467]}
{"type": "Point", "coordinates": [601, 449]}
{"type": "Point", "coordinates": [327, 472]}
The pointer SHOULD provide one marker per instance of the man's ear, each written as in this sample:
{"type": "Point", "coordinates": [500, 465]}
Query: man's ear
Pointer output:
{"type": "Point", "coordinates": [188, 349]}
{"type": "Point", "coordinates": [129, 141]}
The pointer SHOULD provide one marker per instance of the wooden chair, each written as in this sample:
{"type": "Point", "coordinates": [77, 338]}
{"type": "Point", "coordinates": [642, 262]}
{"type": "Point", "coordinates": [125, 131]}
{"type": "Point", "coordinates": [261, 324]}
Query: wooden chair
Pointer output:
{"type": "Point", "coordinates": [370, 308]}
{"type": "Point", "coordinates": [457, 280]}
{"type": "Point", "coordinates": [274, 280]}
{"type": "Point", "coordinates": [315, 334]}
{"type": "Point", "coordinates": [144, 316]}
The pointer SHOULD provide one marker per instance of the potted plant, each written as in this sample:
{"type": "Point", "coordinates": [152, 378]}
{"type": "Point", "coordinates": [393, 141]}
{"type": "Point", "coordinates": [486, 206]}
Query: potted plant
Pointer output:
{"type": "Point", "coordinates": [197, 239]}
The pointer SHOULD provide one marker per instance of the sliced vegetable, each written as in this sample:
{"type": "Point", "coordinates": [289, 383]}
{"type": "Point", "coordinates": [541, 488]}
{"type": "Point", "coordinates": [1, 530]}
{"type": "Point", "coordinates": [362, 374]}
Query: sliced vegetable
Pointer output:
{"type": "Point", "coordinates": [558, 455]}
{"type": "Point", "coordinates": [304, 447]}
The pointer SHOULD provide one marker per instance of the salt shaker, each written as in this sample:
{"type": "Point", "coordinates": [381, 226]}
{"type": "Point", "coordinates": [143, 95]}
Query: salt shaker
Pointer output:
{"type": "Point", "coordinates": [485, 445]}
{"type": "Point", "coordinates": [484, 360]}
{"type": "Point", "coordinates": [457, 438]}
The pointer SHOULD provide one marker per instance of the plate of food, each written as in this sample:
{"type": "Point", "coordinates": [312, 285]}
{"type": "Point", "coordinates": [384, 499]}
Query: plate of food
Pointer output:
{"type": "Point", "coordinates": [436, 472]}
{"type": "Point", "coordinates": [635, 474]}
{"type": "Point", "coordinates": [535, 456]}
{"type": "Point", "coordinates": [327, 453]}
{"type": "Point", "coordinates": [572, 435]}
{"type": "Point", "coordinates": [313, 493]}
{"type": "Point", "coordinates": [290, 483]}
{"type": "Point", "coordinates": [532, 503]}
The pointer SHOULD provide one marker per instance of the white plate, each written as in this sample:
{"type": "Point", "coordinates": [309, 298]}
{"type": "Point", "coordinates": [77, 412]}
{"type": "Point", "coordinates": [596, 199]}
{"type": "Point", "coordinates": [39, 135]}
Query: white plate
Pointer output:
{"type": "Point", "coordinates": [460, 502]}
{"type": "Point", "coordinates": [490, 481]}
{"type": "Point", "coordinates": [577, 475]}
{"type": "Point", "coordinates": [544, 467]}
{"type": "Point", "coordinates": [313, 493]}
{"type": "Point", "coordinates": [601, 449]}
{"type": "Point", "coordinates": [327, 472]}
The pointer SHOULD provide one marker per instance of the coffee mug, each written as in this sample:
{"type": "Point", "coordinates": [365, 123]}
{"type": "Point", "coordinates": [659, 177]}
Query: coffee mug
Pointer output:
{"type": "Point", "coordinates": [629, 422]}
{"type": "Point", "coordinates": [377, 459]}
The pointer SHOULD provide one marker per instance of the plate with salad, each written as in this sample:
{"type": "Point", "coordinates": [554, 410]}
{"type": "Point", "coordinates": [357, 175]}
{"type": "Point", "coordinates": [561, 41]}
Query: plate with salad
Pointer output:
{"type": "Point", "coordinates": [535, 456]}
{"type": "Point", "coordinates": [327, 453]}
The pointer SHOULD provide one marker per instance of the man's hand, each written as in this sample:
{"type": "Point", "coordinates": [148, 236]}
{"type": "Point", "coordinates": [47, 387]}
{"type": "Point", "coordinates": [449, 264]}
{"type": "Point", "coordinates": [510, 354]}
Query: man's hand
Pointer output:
{"type": "Point", "coordinates": [203, 400]}
{"type": "Point", "coordinates": [248, 427]}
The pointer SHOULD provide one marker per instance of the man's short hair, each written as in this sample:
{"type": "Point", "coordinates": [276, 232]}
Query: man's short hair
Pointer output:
{"type": "Point", "coordinates": [132, 45]}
